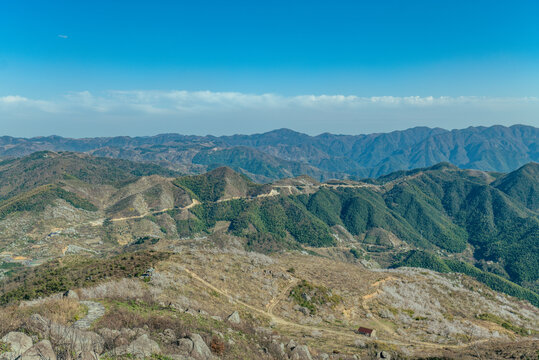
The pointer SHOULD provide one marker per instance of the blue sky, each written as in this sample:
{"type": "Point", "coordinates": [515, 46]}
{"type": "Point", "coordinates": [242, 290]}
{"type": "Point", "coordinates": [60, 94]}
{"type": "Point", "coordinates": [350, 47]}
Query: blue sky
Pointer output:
{"type": "Point", "coordinates": [94, 68]}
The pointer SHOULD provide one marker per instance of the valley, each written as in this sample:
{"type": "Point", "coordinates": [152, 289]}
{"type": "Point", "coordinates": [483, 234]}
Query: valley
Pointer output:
{"type": "Point", "coordinates": [300, 261]}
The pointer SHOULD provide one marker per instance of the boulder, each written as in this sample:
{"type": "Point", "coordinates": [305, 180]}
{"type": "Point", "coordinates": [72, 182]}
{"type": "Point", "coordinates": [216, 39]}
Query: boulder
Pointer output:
{"type": "Point", "coordinates": [300, 352]}
{"type": "Point", "coordinates": [128, 333]}
{"type": "Point", "coordinates": [40, 351]}
{"type": "Point", "coordinates": [109, 335]}
{"type": "Point", "coordinates": [194, 346]}
{"type": "Point", "coordinates": [143, 347]}
{"type": "Point", "coordinates": [120, 341]}
{"type": "Point", "coordinates": [74, 339]}
{"type": "Point", "coordinates": [140, 331]}
{"type": "Point", "coordinates": [167, 336]}
{"type": "Point", "coordinates": [277, 348]}
{"type": "Point", "coordinates": [291, 345]}
{"type": "Point", "coordinates": [384, 355]}
{"type": "Point", "coordinates": [200, 351]}
{"type": "Point", "coordinates": [18, 342]}
{"type": "Point", "coordinates": [9, 356]}
{"type": "Point", "coordinates": [360, 344]}
{"type": "Point", "coordinates": [38, 323]}
{"type": "Point", "coordinates": [185, 346]}
{"type": "Point", "coordinates": [234, 318]}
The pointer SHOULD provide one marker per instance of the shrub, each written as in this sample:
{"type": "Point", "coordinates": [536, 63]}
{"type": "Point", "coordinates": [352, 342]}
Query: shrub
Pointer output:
{"type": "Point", "coordinates": [75, 272]}
{"type": "Point", "coordinates": [355, 253]}
{"type": "Point", "coordinates": [311, 296]}
{"type": "Point", "coordinates": [217, 346]}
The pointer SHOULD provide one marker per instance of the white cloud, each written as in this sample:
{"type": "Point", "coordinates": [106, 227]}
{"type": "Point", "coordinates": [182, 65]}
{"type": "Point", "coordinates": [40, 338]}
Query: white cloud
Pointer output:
{"type": "Point", "coordinates": [169, 102]}
{"type": "Point", "coordinates": [181, 100]}
{"type": "Point", "coordinates": [152, 111]}
{"type": "Point", "coordinates": [12, 99]}
{"type": "Point", "coordinates": [62, 36]}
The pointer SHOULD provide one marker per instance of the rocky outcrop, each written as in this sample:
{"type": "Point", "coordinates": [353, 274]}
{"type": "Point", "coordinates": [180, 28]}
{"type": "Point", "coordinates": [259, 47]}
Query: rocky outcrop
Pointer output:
{"type": "Point", "coordinates": [234, 318]}
{"type": "Point", "coordinates": [194, 347]}
{"type": "Point", "coordinates": [167, 336]}
{"type": "Point", "coordinates": [300, 352]}
{"type": "Point", "coordinates": [75, 340]}
{"type": "Point", "coordinates": [40, 351]}
{"type": "Point", "coordinates": [18, 344]}
{"type": "Point", "coordinates": [142, 347]}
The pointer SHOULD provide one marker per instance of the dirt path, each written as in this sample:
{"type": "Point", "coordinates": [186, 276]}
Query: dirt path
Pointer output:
{"type": "Point", "coordinates": [341, 333]}
{"type": "Point", "coordinates": [194, 202]}
{"type": "Point", "coordinates": [95, 312]}
{"type": "Point", "coordinates": [271, 305]}
{"type": "Point", "coordinates": [99, 222]}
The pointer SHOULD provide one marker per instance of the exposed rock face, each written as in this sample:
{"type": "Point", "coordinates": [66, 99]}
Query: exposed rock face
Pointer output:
{"type": "Point", "coordinates": [194, 347]}
{"type": "Point", "coordinates": [74, 339]}
{"type": "Point", "coordinates": [141, 347]}
{"type": "Point", "coordinates": [185, 346]}
{"type": "Point", "coordinates": [18, 342]}
{"type": "Point", "coordinates": [234, 318]}
{"type": "Point", "coordinates": [277, 348]}
{"type": "Point", "coordinates": [40, 351]}
{"type": "Point", "coordinates": [300, 352]}
{"type": "Point", "coordinates": [291, 344]}
{"type": "Point", "coordinates": [144, 346]}
{"type": "Point", "coordinates": [200, 349]}
{"type": "Point", "coordinates": [167, 336]}
{"type": "Point", "coordinates": [109, 335]}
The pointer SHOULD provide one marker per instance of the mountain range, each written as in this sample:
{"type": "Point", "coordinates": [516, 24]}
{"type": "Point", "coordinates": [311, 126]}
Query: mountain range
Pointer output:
{"type": "Point", "coordinates": [285, 153]}
{"type": "Point", "coordinates": [488, 220]}
{"type": "Point", "coordinates": [438, 260]}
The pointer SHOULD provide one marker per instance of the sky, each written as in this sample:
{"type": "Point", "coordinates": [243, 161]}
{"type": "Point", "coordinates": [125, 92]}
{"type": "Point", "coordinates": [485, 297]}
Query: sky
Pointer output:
{"type": "Point", "coordinates": [104, 68]}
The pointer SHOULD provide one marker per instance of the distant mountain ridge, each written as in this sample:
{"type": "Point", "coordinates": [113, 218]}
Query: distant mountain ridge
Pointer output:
{"type": "Point", "coordinates": [285, 153]}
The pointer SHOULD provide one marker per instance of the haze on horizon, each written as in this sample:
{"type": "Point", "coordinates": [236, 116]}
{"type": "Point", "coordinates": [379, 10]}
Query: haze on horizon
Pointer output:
{"type": "Point", "coordinates": [138, 68]}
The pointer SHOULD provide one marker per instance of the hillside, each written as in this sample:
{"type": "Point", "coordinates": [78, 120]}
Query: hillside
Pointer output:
{"type": "Point", "coordinates": [46, 167]}
{"type": "Point", "coordinates": [522, 185]}
{"type": "Point", "coordinates": [285, 153]}
{"type": "Point", "coordinates": [454, 212]}
{"type": "Point", "coordinates": [221, 184]}
{"type": "Point", "coordinates": [209, 299]}
{"type": "Point", "coordinates": [305, 260]}
{"type": "Point", "coordinates": [441, 208]}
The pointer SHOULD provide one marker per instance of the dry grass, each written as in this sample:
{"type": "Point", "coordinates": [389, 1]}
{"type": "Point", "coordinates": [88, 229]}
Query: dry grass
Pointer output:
{"type": "Point", "coordinates": [122, 290]}
{"type": "Point", "coordinates": [12, 319]}
{"type": "Point", "coordinates": [62, 311]}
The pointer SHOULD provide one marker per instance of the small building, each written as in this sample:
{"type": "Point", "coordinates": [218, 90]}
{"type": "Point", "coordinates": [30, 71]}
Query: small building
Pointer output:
{"type": "Point", "coordinates": [366, 331]}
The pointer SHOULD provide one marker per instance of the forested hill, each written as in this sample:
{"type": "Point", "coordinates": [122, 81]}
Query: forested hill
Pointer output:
{"type": "Point", "coordinates": [484, 224]}
{"type": "Point", "coordinates": [285, 153]}
{"type": "Point", "coordinates": [466, 216]}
